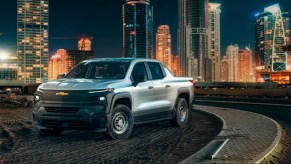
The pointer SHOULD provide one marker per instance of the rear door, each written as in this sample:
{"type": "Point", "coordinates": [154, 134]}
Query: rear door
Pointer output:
{"type": "Point", "coordinates": [162, 89]}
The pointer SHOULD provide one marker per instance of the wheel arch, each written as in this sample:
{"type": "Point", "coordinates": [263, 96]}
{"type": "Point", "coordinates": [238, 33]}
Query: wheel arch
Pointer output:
{"type": "Point", "coordinates": [183, 93]}
{"type": "Point", "coordinates": [121, 98]}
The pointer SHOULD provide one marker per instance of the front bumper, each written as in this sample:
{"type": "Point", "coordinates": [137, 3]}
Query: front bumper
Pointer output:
{"type": "Point", "coordinates": [71, 117]}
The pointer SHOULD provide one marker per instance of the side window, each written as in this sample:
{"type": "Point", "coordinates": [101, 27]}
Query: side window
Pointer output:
{"type": "Point", "coordinates": [139, 69]}
{"type": "Point", "coordinates": [156, 70]}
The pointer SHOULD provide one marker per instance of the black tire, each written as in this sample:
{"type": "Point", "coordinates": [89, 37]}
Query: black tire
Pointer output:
{"type": "Point", "coordinates": [182, 113]}
{"type": "Point", "coordinates": [121, 123]}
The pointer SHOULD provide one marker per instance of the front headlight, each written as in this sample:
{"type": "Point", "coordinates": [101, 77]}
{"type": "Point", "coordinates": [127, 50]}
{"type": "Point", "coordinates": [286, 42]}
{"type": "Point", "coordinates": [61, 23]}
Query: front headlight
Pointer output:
{"type": "Point", "coordinates": [102, 100]}
{"type": "Point", "coordinates": [102, 90]}
{"type": "Point", "coordinates": [36, 98]}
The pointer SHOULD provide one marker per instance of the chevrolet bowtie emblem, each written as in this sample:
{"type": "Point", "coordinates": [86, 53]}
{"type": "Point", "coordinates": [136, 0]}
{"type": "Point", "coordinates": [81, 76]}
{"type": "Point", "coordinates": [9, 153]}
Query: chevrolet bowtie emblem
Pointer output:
{"type": "Point", "coordinates": [62, 94]}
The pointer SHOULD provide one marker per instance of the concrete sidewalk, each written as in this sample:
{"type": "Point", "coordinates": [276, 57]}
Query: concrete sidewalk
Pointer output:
{"type": "Point", "coordinates": [250, 137]}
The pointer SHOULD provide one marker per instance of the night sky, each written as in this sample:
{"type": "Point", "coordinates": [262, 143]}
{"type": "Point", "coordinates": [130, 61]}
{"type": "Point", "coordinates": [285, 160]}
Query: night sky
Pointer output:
{"type": "Point", "coordinates": [102, 19]}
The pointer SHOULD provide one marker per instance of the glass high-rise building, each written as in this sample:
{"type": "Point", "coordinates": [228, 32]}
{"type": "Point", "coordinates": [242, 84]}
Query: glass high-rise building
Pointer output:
{"type": "Point", "coordinates": [137, 29]}
{"type": "Point", "coordinates": [272, 34]}
{"type": "Point", "coordinates": [192, 39]}
{"type": "Point", "coordinates": [32, 40]}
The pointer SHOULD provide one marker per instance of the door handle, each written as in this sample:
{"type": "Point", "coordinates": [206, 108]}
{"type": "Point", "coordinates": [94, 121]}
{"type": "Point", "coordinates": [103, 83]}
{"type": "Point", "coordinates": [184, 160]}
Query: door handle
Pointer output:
{"type": "Point", "coordinates": [150, 87]}
{"type": "Point", "coordinates": [167, 86]}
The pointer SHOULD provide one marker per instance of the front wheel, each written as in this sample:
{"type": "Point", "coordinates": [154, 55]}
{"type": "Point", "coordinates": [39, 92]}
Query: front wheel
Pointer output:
{"type": "Point", "coordinates": [121, 123]}
{"type": "Point", "coordinates": [182, 113]}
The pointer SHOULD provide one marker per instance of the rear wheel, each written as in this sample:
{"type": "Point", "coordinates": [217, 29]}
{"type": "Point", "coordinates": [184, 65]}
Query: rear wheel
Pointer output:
{"type": "Point", "coordinates": [182, 113]}
{"type": "Point", "coordinates": [121, 123]}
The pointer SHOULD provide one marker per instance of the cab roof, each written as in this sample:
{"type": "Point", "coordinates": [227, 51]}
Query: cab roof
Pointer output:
{"type": "Point", "coordinates": [119, 59]}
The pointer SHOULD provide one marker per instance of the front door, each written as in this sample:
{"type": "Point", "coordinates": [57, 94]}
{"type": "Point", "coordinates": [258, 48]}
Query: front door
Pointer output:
{"type": "Point", "coordinates": [143, 93]}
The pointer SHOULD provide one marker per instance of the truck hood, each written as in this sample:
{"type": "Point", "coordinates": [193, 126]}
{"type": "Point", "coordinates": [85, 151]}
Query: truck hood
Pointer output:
{"type": "Point", "coordinates": [79, 84]}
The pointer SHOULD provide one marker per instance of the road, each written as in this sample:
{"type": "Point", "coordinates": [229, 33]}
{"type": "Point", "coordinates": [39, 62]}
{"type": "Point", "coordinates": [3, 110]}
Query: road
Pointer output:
{"type": "Point", "coordinates": [278, 109]}
{"type": "Point", "coordinates": [275, 108]}
{"type": "Point", "coordinates": [150, 143]}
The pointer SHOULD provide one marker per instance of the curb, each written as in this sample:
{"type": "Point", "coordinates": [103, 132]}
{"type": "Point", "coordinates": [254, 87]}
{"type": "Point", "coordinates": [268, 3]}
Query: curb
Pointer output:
{"type": "Point", "coordinates": [275, 143]}
{"type": "Point", "coordinates": [197, 157]}
{"type": "Point", "coordinates": [190, 159]}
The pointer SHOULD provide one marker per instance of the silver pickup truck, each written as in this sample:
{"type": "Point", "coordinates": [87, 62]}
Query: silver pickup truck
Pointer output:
{"type": "Point", "coordinates": [111, 95]}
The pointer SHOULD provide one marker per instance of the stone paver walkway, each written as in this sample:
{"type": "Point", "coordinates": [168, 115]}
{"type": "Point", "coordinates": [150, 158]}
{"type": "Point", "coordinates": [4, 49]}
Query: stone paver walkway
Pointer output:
{"type": "Point", "coordinates": [251, 137]}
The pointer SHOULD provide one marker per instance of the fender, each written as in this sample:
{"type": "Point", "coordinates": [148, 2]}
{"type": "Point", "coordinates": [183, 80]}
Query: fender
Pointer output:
{"type": "Point", "coordinates": [119, 96]}
{"type": "Point", "coordinates": [181, 91]}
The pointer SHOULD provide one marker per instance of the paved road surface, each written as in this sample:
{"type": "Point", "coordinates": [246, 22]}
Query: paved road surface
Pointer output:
{"type": "Point", "coordinates": [278, 109]}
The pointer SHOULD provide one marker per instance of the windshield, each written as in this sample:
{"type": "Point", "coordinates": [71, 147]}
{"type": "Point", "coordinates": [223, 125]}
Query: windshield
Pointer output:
{"type": "Point", "coordinates": [99, 70]}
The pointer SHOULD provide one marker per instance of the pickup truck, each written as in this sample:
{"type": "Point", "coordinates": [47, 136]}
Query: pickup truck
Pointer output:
{"type": "Point", "coordinates": [111, 95]}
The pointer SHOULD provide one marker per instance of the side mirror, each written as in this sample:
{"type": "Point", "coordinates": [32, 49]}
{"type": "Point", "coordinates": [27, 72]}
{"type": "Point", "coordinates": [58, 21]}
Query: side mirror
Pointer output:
{"type": "Point", "coordinates": [139, 79]}
{"type": "Point", "coordinates": [61, 76]}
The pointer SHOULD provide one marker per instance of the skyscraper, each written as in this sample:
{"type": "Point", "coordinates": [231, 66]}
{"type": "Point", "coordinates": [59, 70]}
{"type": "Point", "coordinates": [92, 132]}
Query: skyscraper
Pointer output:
{"type": "Point", "coordinates": [175, 67]}
{"type": "Point", "coordinates": [137, 29]}
{"type": "Point", "coordinates": [192, 39]}
{"type": "Point", "coordinates": [224, 69]}
{"type": "Point", "coordinates": [58, 64]}
{"type": "Point", "coordinates": [214, 40]}
{"type": "Point", "coordinates": [163, 45]}
{"type": "Point", "coordinates": [272, 34]}
{"type": "Point", "coordinates": [32, 40]}
{"type": "Point", "coordinates": [245, 66]}
{"type": "Point", "coordinates": [84, 44]}
{"type": "Point", "coordinates": [232, 60]}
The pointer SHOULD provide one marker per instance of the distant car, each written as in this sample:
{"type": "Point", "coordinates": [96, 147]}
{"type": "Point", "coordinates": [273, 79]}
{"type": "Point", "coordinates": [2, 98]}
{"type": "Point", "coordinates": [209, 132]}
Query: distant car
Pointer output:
{"type": "Point", "coordinates": [111, 95]}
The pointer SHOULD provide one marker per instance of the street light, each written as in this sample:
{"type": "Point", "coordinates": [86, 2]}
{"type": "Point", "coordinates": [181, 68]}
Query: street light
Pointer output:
{"type": "Point", "coordinates": [4, 55]}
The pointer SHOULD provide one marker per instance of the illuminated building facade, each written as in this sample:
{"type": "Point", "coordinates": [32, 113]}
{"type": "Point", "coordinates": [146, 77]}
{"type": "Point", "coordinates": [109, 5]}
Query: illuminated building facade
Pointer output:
{"type": "Point", "coordinates": [245, 66]}
{"type": "Point", "coordinates": [32, 40]}
{"type": "Point", "coordinates": [214, 40]}
{"type": "Point", "coordinates": [192, 39]}
{"type": "Point", "coordinates": [224, 69]}
{"type": "Point", "coordinates": [232, 60]}
{"type": "Point", "coordinates": [137, 29]}
{"type": "Point", "coordinates": [84, 44]}
{"type": "Point", "coordinates": [163, 45]}
{"type": "Point", "coordinates": [289, 63]}
{"type": "Point", "coordinates": [272, 34]}
{"type": "Point", "coordinates": [8, 68]}
{"type": "Point", "coordinates": [58, 64]}
{"type": "Point", "coordinates": [175, 65]}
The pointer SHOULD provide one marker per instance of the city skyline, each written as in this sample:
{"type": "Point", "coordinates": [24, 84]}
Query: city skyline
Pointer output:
{"type": "Point", "coordinates": [109, 43]}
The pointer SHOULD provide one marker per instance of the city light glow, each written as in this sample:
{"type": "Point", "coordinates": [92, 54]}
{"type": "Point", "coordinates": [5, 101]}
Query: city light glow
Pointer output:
{"type": "Point", "coordinates": [4, 55]}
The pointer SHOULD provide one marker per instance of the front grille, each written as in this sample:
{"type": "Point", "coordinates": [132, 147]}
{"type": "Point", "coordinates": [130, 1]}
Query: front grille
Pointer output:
{"type": "Point", "coordinates": [50, 96]}
{"type": "Point", "coordinates": [61, 110]}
